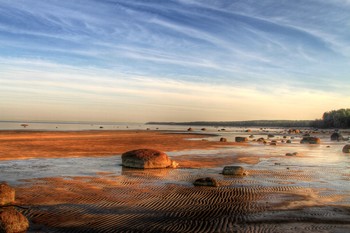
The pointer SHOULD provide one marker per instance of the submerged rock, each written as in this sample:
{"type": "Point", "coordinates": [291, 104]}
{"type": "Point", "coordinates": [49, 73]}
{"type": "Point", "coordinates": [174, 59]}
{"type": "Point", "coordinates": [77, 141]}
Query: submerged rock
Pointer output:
{"type": "Point", "coordinates": [12, 221]}
{"type": "Point", "coordinates": [7, 194]}
{"type": "Point", "coordinates": [241, 139]}
{"type": "Point", "coordinates": [147, 158]}
{"type": "Point", "coordinates": [346, 148]}
{"type": "Point", "coordinates": [310, 140]}
{"type": "Point", "coordinates": [233, 170]}
{"type": "Point", "coordinates": [208, 181]}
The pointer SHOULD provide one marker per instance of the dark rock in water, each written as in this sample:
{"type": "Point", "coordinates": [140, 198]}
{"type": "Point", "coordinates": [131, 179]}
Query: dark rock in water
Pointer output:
{"type": "Point", "coordinates": [147, 158]}
{"type": "Point", "coordinates": [208, 181]}
{"type": "Point", "coordinates": [7, 194]}
{"type": "Point", "coordinates": [223, 140]}
{"type": "Point", "coordinates": [346, 148]}
{"type": "Point", "coordinates": [289, 141]}
{"type": "Point", "coordinates": [12, 221]}
{"type": "Point", "coordinates": [203, 129]}
{"type": "Point", "coordinates": [190, 129]}
{"type": "Point", "coordinates": [241, 139]}
{"type": "Point", "coordinates": [289, 154]}
{"type": "Point", "coordinates": [273, 143]}
{"type": "Point", "coordinates": [336, 136]}
{"type": "Point", "coordinates": [270, 135]}
{"type": "Point", "coordinates": [248, 130]}
{"type": "Point", "coordinates": [233, 170]}
{"type": "Point", "coordinates": [101, 127]}
{"type": "Point", "coordinates": [251, 136]}
{"type": "Point", "coordinates": [310, 140]}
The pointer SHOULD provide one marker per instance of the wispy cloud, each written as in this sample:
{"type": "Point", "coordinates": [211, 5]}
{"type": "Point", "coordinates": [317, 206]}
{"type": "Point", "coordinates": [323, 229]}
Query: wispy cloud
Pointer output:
{"type": "Point", "coordinates": [226, 57]}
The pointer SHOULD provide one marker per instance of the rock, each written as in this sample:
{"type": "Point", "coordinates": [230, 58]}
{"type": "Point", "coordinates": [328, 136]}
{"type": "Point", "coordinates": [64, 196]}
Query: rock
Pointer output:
{"type": "Point", "coordinates": [7, 194]}
{"type": "Point", "coordinates": [146, 158]}
{"type": "Point", "coordinates": [203, 129]}
{"type": "Point", "coordinates": [288, 141]}
{"type": "Point", "coordinates": [248, 130]}
{"type": "Point", "coordinates": [208, 181]}
{"type": "Point", "coordinates": [346, 148]}
{"type": "Point", "coordinates": [306, 135]}
{"type": "Point", "coordinates": [273, 143]}
{"type": "Point", "coordinates": [12, 221]}
{"type": "Point", "coordinates": [233, 170]}
{"type": "Point", "coordinates": [270, 136]}
{"type": "Point", "coordinates": [336, 137]}
{"type": "Point", "coordinates": [190, 129]}
{"type": "Point", "coordinates": [241, 139]}
{"type": "Point", "coordinates": [261, 140]}
{"type": "Point", "coordinates": [251, 136]}
{"type": "Point", "coordinates": [289, 154]}
{"type": "Point", "coordinates": [223, 140]}
{"type": "Point", "coordinates": [310, 140]}
{"type": "Point", "coordinates": [284, 137]}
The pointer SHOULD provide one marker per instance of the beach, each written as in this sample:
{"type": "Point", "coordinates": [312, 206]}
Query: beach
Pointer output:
{"type": "Point", "coordinates": [73, 181]}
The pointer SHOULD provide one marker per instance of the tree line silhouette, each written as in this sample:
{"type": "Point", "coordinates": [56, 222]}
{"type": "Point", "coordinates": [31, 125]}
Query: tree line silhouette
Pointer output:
{"type": "Point", "coordinates": [333, 119]}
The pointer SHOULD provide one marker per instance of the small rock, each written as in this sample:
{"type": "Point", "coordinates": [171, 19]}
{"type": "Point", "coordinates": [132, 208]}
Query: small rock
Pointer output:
{"type": "Point", "coordinates": [310, 140]}
{"type": "Point", "coordinates": [241, 139]}
{"type": "Point", "coordinates": [336, 136]}
{"type": "Point", "coordinates": [190, 129]}
{"type": "Point", "coordinates": [346, 148]}
{"type": "Point", "coordinates": [233, 170]}
{"type": "Point", "coordinates": [223, 140]}
{"type": "Point", "coordinates": [7, 194]}
{"type": "Point", "coordinates": [208, 181]}
{"type": "Point", "coordinates": [288, 141]}
{"type": "Point", "coordinates": [12, 221]}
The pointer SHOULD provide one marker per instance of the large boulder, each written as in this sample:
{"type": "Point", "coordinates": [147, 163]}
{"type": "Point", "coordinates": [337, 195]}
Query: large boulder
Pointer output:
{"type": "Point", "coordinates": [146, 158]}
{"type": "Point", "coordinates": [346, 148]}
{"type": "Point", "coordinates": [336, 137]}
{"type": "Point", "coordinates": [233, 170]}
{"type": "Point", "coordinates": [208, 181]}
{"type": "Point", "coordinates": [12, 221]}
{"type": "Point", "coordinates": [7, 194]}
{"type": "Point", "coordinates": [241, 139]}
{"type": "Point", "coordinates": [310, 140]}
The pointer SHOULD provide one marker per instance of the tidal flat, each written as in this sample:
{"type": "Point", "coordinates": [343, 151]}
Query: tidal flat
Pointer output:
{"type": "Point", "coordinates": [73, 181]}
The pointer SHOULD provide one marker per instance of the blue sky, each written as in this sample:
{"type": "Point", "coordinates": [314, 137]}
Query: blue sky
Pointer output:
{"type": "Point", "coordinates": [173, 60]}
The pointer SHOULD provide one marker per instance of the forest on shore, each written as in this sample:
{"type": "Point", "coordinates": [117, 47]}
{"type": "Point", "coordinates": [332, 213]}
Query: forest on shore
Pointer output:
{"type": "Point", "coordinates": [333, 119]}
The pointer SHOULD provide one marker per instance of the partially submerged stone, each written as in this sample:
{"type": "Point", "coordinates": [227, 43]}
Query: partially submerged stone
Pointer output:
{"type": "Point", "coordinates": [241, 139]}
{"type": "Point", "coordinates": [7, 194]}
{"type": "Point", "coordinates": [208, 181]}
{"type": "Point", "coordinates": [12, 221]}
{"type": "Point", "coordinates": [147, 158]}
{"type": "Point", "coordinates": [346, 148]}
{"type": "Point", "coordinates": [233, 170]}
{"type": "Point", "coordinates": [310, 140]}
{"type": "Point", "coordinates": [223, 139]}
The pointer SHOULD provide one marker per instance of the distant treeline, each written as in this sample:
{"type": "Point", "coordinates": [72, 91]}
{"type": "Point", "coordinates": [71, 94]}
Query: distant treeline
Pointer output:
{"type": "Point", "coordinates": [333, 119]}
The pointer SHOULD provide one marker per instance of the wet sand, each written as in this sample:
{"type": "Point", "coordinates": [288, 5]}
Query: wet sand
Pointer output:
{"type": "Point", "coordinates": [58, 144]}
{"type": "Point", "coordinates": [305, 193]}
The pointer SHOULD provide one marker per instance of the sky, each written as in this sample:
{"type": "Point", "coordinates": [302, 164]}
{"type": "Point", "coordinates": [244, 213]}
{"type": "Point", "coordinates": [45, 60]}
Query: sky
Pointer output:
{"type": "Point", "coordinates": [173, 60]}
